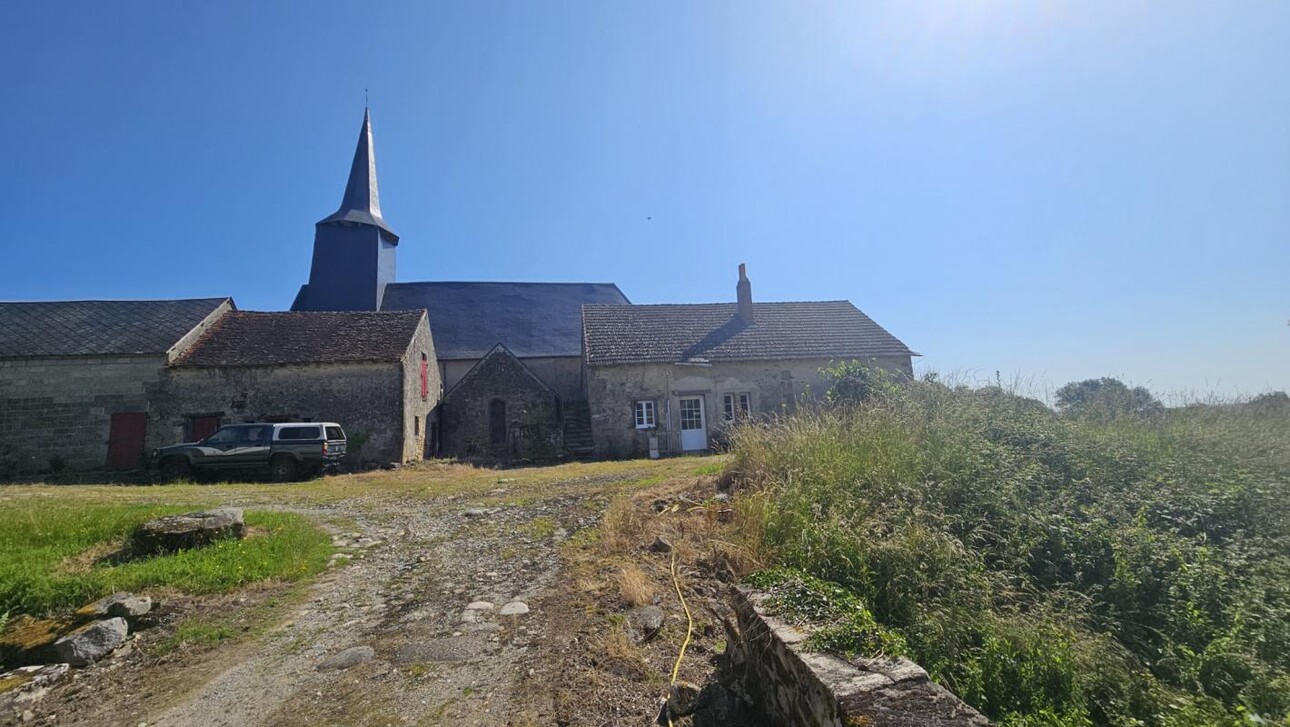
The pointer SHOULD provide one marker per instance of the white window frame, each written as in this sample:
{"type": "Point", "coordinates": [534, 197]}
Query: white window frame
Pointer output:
{"type": "Point", "coordinates": [645, 414]}
{"type": "Point", "coordinates": [736, 405]}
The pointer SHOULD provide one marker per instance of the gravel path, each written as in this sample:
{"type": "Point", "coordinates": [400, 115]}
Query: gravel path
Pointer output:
{"type": "Point", "coordinates": [387, 637]}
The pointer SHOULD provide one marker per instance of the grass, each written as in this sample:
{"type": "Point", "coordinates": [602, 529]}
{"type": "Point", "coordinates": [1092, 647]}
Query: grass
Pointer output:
{"type": "Point", "coordinates": [47, 550]}
{"type": "Point", "coordinates": [1050, 570]}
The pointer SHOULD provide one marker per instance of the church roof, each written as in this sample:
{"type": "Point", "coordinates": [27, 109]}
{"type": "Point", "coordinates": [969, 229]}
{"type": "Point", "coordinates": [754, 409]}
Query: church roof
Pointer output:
{"type": "Point", "coordinates": [700, 333]}
{"type": "Point", "coordinates": [244, 338]}
{"type": "Point", "coordinates": [99, 327]}
{"type": "Point", "coordinates": [362, 201]}
{"type": "Point", "coordinates": [532, 319]}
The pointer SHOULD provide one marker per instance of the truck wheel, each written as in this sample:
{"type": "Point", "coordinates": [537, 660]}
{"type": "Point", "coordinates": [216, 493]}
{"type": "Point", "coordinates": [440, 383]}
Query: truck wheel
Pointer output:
{"type": "Point", "coordinates": [176, 468]}
{"type": "Point", "coordinates": [282, 469]}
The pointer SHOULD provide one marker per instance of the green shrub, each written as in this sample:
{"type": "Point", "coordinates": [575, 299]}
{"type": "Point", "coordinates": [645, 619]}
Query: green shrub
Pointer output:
{"type": "Point", "coordinates": [1050, 569]}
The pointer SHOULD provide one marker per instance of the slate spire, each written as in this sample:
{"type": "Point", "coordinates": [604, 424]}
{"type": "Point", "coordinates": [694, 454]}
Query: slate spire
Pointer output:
{"type": "Point", "coordinates": [362, 202]}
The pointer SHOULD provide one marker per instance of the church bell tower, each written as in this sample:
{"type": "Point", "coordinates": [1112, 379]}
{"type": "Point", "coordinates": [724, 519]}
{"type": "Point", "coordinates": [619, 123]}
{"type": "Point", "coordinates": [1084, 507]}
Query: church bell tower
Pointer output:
{"type": "Point", "coordinates": [353, 247]}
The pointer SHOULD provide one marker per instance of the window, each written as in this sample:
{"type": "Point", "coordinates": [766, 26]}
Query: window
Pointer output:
{"type": "Point", "coordinates": [227, 435]}
{"type": "Point", "coordinates": [256, 435]}
{"type": "Point", "coordinates": [497, 421]}
{"type": "Point", "coordinates": [644, 415]}
{"type": "Point", "coordinates": [335, 433]}
{"type": "Point", "coordinates": [416, 426]}
{"type": "Point", "coordinates": [736, 406]}
{"type": "Point", "coordinates": [425, 377]}
{"type": "Point", "coordinates": [299, 433]}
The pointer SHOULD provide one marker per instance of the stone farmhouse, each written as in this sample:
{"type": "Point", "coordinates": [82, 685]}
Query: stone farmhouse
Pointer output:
{"type": "Point", "coordinates": [492, 371]}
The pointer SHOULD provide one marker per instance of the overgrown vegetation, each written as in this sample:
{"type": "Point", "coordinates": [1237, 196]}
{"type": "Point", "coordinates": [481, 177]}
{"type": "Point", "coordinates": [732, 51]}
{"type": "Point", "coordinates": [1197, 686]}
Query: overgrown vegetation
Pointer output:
{"type": "Point", "coordinates": [57, 555]}
{"type": "Point", "coordinates": [1051, 569]}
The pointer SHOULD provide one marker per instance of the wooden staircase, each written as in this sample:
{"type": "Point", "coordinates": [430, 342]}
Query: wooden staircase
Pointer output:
{"type": "Point", "coordinates": [577, 430]}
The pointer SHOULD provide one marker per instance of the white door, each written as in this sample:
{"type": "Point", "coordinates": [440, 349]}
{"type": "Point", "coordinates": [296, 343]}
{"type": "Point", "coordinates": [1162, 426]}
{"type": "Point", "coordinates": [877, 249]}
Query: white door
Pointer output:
{"type": "Point", "coordinates": [694, 430]}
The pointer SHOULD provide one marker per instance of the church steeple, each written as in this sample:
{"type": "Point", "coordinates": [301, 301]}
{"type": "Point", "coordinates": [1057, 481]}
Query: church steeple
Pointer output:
{"type": "Point", "coordinates": [362, 201]}
{"type": "Point", "coordinates": [354, 248]}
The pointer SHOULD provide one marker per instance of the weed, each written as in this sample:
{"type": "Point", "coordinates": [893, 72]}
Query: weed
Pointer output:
{"type": "Point", "coordinates": [1049, 568]}
{"type": "Point", "coordinates": [636, 588]}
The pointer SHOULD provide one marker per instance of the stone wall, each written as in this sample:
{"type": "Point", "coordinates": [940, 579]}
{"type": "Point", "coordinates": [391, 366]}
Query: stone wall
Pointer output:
{"type": "Point", "coordinates": [418, 411]}
{"type": "Point", "coordinates": [774, 387]}
{"type": "Point", "coordinates": [367, 399]}
{"type": "Point", "coordinates": [533, 413]}
{"type": "Point", "coordinates": [60, 409]}
{"type": "Point", "coordinates": [561, 374]}
{"type": "Point", "coordinates": [794, 686]}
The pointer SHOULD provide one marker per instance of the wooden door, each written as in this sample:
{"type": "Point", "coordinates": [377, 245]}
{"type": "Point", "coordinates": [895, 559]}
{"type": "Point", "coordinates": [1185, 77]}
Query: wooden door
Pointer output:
{"type": "Point", "coordinates": [694, 426]}
{"type": "Point", "coordinates": [200, 428]}
{"type": "Point", "coordinates": [126, 437]}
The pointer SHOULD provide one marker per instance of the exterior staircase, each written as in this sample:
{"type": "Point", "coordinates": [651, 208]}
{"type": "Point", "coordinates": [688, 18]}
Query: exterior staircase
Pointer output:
{"type": "Point", "coordinates": [577, 430]}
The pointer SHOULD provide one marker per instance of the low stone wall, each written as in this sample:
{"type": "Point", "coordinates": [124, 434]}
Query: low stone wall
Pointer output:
{"type": "Point", "coordinates": [792, 686]}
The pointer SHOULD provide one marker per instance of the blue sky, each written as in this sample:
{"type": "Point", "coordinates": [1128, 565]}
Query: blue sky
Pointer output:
{"type": "Point", "coordinates": [1053, 191]}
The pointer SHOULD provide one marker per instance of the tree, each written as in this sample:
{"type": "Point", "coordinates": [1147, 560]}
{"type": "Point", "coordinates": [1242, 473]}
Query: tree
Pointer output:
{"type": "Point", "coordinates": [1106, 398]}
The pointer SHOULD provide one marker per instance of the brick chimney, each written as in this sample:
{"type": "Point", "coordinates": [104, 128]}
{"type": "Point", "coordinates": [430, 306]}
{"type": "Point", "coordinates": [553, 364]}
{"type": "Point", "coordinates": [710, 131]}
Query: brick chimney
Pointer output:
{"type": "Point", "coordinates": [744, 292]}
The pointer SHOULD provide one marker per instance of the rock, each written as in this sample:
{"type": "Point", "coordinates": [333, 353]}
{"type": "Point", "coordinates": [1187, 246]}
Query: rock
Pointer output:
{"type": "Point", "coordinates": [190, 530]}
{"type": "Point", "coordinates": [660, 545]}
{"type": "Point", "coordinates": [644, 622]}
{"type": "Point", "coordinates": [88, 644]}
{"type": "Point", "coordinates": [352, 656]}
{"type": "Point", "coordinates": [28, 715]}
{"type": "Point", "coordinates": [514, 608]}
{"type": "Point", "coordinates": [479, 606]}
{"type": "Point", "coordinates": [29, 684]}
{"type": "Point", "coordinates": [722, 497]}
{"type": "Point", "coordinates": [123, 605]}
{"type": "Point", "coordinates": [682, 698]}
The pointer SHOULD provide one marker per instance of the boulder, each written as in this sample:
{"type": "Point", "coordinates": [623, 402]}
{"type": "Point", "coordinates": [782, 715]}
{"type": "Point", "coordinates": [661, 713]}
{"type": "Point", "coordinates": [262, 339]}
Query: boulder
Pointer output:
{"type": "Point", "coordinates": [88, 644]}
{"type": "Point", "coordinates": [190, 530]}
{"type": "Point", "coordinates": [123, 605]}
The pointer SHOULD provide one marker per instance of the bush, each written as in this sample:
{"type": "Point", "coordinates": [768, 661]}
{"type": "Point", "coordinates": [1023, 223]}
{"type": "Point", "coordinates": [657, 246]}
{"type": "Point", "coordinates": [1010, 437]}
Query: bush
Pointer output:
{"type": "Point", "coordinates": [1050, 569]}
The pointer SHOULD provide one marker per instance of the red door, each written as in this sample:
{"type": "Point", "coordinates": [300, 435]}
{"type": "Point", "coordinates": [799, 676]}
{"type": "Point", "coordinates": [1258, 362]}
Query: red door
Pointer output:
{"type": "Point", "coordinates": [126, 440]}
{"type": "Point", "coordinates": [202, 427]}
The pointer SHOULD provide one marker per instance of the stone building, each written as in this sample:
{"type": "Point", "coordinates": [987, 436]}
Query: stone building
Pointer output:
{"type": "Point", "coordinates": [540, 324]}
{"type": "Point", "coordinates": [373, 373]}
{"type": "Point", "coordinates": [77, 378]}
{"type": "Point", "coordinates": [532, 370]}
{"type": "Point", "coordinates": [669, 378]}
{"type": "Point", "coordinates": [500, 410]}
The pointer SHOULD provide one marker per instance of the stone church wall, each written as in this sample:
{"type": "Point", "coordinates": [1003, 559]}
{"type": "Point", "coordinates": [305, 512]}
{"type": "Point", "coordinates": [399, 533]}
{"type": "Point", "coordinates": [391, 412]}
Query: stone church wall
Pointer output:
{"type": "Point", "coordinates": [532, 414]}
{"type": "Point", "coordinates": [367, 399]}
{"type": "Point", "coordinates": [774, 387]}
{"type": "Point", "coordinates": [562, 374]}
{"type": "Point", "coordinates": [56, 412]}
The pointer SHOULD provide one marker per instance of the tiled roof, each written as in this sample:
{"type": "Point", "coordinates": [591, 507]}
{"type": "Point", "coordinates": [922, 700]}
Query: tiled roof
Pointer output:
{"type": "Point", "coordinates": [531, 319]}
{"type": "Point", "coordinates": [712, 332]}
{"type": "Point", "coordinates": [266, 339]}
{"type": "Point", "coordinates": [99, 327]}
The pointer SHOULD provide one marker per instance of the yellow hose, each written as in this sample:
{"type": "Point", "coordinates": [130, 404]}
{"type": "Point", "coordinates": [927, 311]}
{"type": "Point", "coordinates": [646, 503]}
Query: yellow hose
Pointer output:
{"type": "Point", "coordinates": [689, 626]}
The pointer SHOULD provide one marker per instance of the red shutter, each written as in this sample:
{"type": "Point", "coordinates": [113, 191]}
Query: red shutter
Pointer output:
{"type": "Point", "coordinates": [425, 379]}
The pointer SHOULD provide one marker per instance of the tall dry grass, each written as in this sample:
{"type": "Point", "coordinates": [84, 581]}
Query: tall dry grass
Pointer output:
{"type": "Point", "coordinates": [1050, 570]}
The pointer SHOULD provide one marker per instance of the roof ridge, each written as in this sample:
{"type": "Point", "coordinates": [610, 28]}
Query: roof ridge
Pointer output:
{"type": "Point", "coordinates": [730, 303]}
{"type": "Point", "coordinates": [500, 282]}
{"type": "Point", "coordinates": [115, 300]}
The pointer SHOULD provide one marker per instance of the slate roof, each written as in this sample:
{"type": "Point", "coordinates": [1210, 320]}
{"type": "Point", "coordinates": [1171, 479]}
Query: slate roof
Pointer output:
{"type": "Point", "coordinates": [532, 319]}
{"type": "Point", "coordinates": [713, 332]}
{"type": "Point", "coordinates": [242, 338]}
{"type": "Point", "coordinates": [99, 327]}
